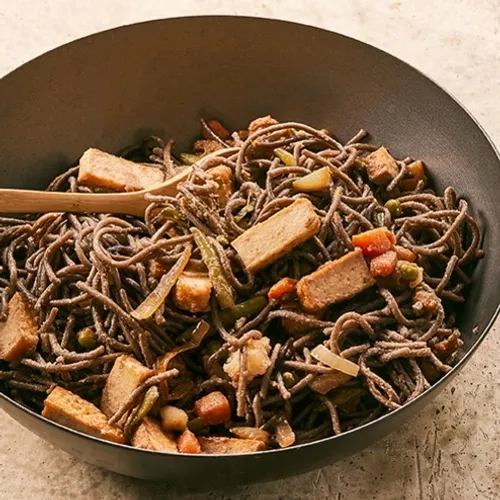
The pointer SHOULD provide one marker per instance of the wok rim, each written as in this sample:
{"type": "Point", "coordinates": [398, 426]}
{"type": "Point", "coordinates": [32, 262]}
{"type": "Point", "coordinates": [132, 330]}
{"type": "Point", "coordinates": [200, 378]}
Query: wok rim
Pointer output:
{"type": "Point", "coordinates": [387, 416]}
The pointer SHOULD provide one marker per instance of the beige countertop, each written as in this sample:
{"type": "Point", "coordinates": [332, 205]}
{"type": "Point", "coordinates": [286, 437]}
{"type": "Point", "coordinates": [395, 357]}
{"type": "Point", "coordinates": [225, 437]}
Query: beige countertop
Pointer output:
{"type": "Point", "coordinates": [451, 450]}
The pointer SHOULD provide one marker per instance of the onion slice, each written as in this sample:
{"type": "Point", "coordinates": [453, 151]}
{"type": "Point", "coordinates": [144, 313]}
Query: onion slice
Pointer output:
{"type": "Point", "coordinates": [284, 434]}
{"type": "Point", "coordinates": [327, 357]}
{"type": "Point", "coordinates": [315, 181]}
{"type": "Point", "coordinates": [157, 297]}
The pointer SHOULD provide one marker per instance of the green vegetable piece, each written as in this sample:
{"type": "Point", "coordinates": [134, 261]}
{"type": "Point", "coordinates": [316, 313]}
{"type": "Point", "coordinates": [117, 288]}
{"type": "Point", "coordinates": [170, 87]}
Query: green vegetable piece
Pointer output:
{"type": "Point", "coordinates": [189, 158]}
{"type": "Point", "coordinates": [247, 309]}
{"type": "Point", "coordinates": [394, 207]}
{"type": "Point", "coordinates": [347, 398]}
{"type": "Point", "coordinates": [408, 271]}
{"type": "Point", "coordinates": [139, 412]}
{"type": "Point", "coordinates": [174, 215]}
{"type": "Point", "coordinates": [198, 426]}
{"type": "Point", "coordinates": [285, 157]}
{"type": "Point", "coordinates": [223, 290]}
{"type": "Point", "coordinates": [289, 379]}
{"type": "Point", "coordinates": [87, 339]}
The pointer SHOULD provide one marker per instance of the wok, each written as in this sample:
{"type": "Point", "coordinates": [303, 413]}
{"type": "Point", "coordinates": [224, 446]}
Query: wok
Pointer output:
{"type": "Point", "coordinates": [110, 89]}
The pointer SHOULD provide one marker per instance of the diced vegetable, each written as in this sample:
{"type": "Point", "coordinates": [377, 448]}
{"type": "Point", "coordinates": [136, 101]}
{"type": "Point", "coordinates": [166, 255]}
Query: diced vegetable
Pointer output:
{"type": "Point", "coordinates": [198, 426]}
{"type": "Point", "coordinates": [284, 434]}
{"type": "Point", "coordinates": [247, 309]}
{"type": "Point", "coordinates": [214, 408]}
{"type": "Point", "coordinates": [158, 296]}
{"type": "Point", "coordinates": [126, 375]}
{"type": "Point", "coordinates": [449, 345]}
{"type": "Point", "coordinates": [327, 357]}
{"type": "Point", "coordinates": [325, 383]}
{"type": "Point", "coordinates": [87, 338]}
{"type": "Point", "coordinates": [425, 301]}
{"type": "Point", "coordinates": [285, 157]}
{"type": "Point", "coordinates": [374, 241]}
{"type": "Point", "coordinates": [334, 282]}
{"type": "Point", "coordinates": [284, 286]}
{"type": "Point", "coordinates": [103, 170]}
{"type": "Point", "coordinates": [229, 446]}
{"type": "Point", "coordinates": [150, 436]}
{"type": "Point", "coordinates": [408, 271]}
{"type": "Point", "coordinates": [217, 128]}
{"type": "Point", "coordinates": [394, 207]}
{"type": "Point", "coordinates": [189, 158]}
{"type": "Point", "coordinates": [381, 167]}
{"type": "Point", "coordinates": [347, 398]}
{"type": "Point", "coordinates": [150, 398]}
{"type": "Point", "coordinates": [384, 265]}
{"type": "Point", "coordinates": [223, 290]}
{"type": "Point", "coordinates": [416, 173]}
{"type": "Point", "coordinates": [72, 411]}
{"type": "Point", "coordinates": [19, 334]}
{"type": "Point", "coordinates": [251, 433]}
{"type": "Point", "coordinates": [258, 360]}
{"type": "Point", "coordinates": [266, 242]}
{"type": "Point", "coordinates": [173, 419]}
{"type": "Point", "coordinates": [404, 253]}
{"type": "Point", "coordinates": [289, 379]}
{"type": "Point", "coordinates": [315, 181]}
{"type": "Point", "coordinates": [188, 443]}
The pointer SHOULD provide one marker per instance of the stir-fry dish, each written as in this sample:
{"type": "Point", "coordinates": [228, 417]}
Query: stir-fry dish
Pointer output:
{"type": "Point", "coordinates": [295, 288]}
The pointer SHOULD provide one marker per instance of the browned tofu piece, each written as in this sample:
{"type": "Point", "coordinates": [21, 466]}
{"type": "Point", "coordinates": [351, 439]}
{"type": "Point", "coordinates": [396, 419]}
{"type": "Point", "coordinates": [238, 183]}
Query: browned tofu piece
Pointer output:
{"type": "Point", "coordinates": [192, 292]}
{"type": "Point", "coordinates": [19, 334]}
{"type": "Point", "coordinates": [329, 381]}
{"type": "Point", "coordinates": [223, 176]}
{"type": "Point", "coordinates": [381, 167]}
{"type": "Point", "coordinates": [150, 436]}
{"type": "Point", "coordinates": [229, 446]}
{"type": "Point", "coordinates": [334, 282]}
{"type": "Point", "coordinates": [127, 374]}
{"type": "Point", "coordinates": [72, 411]}
{"type": "Point", "coordinates": [100, 169]}
{"type": "Point", "coordinates": [266, 242]}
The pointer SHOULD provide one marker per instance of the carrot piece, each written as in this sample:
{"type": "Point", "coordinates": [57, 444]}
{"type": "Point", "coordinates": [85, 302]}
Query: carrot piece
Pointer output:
{"type": "Point", "coordinates": [188, 443]}
{"type": "Point", "coordinates": [282, 287]}
{"type": "Point", "coordinates": [217, 128]}
{"type": "Point", "coordinates": [404, 253]}
{"type": "Point", "coordinates": [214, 408]}
{"type": "Point", "coordinates": [416, 172]}
{"type": "Point", "coordinates": [375, 241]}
{"type": "Point", "coordinates": [384, 265]}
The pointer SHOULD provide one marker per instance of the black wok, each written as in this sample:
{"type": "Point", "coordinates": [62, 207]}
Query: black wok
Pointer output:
{"type": "Point", "coordinates": [109, 89]}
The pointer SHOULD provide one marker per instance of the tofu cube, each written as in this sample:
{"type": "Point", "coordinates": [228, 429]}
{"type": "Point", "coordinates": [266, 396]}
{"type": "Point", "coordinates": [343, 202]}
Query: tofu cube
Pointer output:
{"type": "Point", "coordinates": [227, 446]}
{"type": "Point", "coordinates": [72, 411]}
{"type": "Point", "coordinates": [266, 242]}
{"type": "Point", "coordinates": [335, 282]}
{"type": "Point", "coordinates": [192, 292]}
{"type": "Point", "coordinates": [19, 334]}
{"type": "Point", "coordinates": [150, 436]}
{"type": "Point", "coordinates": [223, 176]}
{"type": "Point", "coordinates": [103, 170]}
{"type": "Point", "coordinates": [127, 374]}
{"type": "Point", "coordinates": [381, 167]}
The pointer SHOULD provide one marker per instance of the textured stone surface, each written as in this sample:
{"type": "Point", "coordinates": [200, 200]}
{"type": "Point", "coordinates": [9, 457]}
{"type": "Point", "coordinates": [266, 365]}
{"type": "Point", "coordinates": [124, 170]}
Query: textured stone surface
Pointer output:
{"type": "Point", "coordinates": [449, 451]}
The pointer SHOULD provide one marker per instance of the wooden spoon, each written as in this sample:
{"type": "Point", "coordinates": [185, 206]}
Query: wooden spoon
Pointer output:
{"type": "Point", "coordinates": [25, 201]}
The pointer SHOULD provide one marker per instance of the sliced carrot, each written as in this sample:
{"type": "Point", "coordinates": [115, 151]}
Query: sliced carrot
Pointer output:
{"type": "Point", "coordinates": [375, 241]}
{"type": "Point", "coordinates": [282, 287]}
{"type": "Point", "coordinates": [404, 253]}
{"type": "Point", "coordinates": [217, 128]}
{"type": "Point", "coordinates": [416, 173]}
{"type": "Point", "coordinates": [214, 408]}
{"type": "Point", "coordinates": [384, 265]}
{"type": "Point", "coordinates": [188, 443]}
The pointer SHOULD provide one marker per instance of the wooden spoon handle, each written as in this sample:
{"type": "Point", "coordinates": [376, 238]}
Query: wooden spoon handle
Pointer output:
{"type": "Point", "coordinates": [23, 201]}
